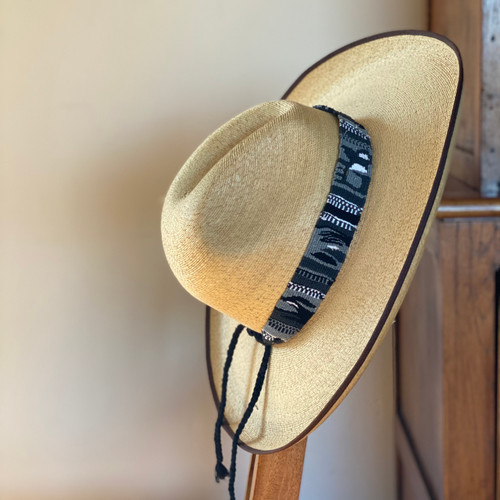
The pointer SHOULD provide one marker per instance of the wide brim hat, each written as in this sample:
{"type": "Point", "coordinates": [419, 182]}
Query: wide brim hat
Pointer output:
{"type": "Point", "coordinates": [234, 232]}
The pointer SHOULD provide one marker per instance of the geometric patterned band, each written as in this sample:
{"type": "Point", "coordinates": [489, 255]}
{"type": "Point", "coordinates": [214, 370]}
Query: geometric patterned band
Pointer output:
{"type": "Point", "coordinates": [331, 237]}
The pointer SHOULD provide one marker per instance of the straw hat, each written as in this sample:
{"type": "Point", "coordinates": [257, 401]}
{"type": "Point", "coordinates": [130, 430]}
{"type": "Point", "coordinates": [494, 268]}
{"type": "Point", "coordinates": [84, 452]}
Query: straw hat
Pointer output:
{"type": "Point", "coordinates": [239, 216]}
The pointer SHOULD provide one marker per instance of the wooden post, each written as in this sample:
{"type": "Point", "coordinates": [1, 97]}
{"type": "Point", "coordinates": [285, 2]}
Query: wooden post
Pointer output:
{"type": "Point", "coordinates": [475, 28]}
{"type": "Point", "coordinates": [276, 476]}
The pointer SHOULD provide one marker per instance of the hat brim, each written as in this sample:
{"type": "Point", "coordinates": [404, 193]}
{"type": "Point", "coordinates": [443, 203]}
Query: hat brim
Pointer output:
{"type": "Point", "coordinates": [405, 88]}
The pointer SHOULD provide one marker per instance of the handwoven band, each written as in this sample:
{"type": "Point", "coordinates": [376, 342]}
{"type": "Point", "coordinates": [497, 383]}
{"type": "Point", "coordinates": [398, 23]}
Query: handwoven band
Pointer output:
{"type": "Point", "coordinates": [331, 237]}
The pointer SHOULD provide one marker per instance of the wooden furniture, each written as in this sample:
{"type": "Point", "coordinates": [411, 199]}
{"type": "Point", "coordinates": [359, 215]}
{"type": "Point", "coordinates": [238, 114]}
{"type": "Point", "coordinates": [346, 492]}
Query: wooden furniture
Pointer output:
{"type": "Point", "coordinates": [276, 476]}
{"type": "Point", "coordinates": [446, 342]}
{"type": "Point", "coordinates": [447, 362]}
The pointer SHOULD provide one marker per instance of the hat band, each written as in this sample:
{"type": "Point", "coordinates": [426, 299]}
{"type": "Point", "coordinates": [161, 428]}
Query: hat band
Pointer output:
{"type": "Point", "coordinates": [331, 237]}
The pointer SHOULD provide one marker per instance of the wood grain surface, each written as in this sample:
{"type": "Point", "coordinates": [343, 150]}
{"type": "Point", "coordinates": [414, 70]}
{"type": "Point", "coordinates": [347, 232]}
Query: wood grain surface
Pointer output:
{"type": "Point", "coordinates": [490, 104]}
{"type": "Point", "coordinates": [276, 476]}
{"type": "Point", "coordinates": [447, 360]}
{"type": "Point", "coordinates": [461, 22]}
{"type": "Point", "coordinates": [469, 358]}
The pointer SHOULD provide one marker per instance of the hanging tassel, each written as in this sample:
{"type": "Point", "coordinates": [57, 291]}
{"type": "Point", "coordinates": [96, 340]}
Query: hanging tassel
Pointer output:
{"type": "Point", "coordinates": [248, 412]}
{"type": "Point", "coordinates": [221, 471]}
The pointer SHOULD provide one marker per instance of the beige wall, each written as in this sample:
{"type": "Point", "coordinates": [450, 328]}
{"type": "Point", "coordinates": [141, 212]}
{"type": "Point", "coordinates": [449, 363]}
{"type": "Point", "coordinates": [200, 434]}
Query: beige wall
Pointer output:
{"type": "Point", "coordinates": [103, 387]}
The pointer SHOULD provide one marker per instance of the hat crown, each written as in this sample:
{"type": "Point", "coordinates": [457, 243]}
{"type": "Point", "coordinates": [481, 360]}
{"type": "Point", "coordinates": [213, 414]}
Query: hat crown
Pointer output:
{"type": "Point", "coordinates": [239, 214]}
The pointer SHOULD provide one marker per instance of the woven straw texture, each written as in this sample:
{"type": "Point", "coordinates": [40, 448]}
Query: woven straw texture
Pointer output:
{"type": "Point", "coordinates": [240, 212]}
